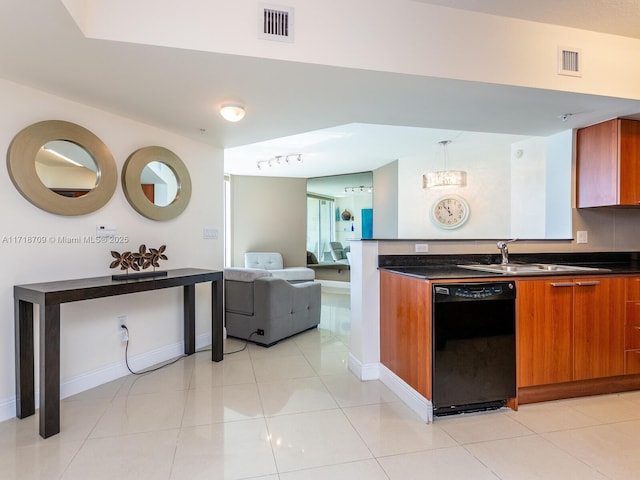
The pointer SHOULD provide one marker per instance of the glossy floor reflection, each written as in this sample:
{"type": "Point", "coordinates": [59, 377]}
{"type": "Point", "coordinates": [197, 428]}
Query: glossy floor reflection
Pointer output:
{"type": "Point", "coordinates": [294, 412]}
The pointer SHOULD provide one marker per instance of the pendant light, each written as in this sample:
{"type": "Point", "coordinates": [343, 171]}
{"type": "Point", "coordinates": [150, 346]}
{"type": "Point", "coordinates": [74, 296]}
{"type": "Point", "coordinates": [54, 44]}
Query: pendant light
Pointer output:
{"type": "Point", "coordinates": [445, 178]}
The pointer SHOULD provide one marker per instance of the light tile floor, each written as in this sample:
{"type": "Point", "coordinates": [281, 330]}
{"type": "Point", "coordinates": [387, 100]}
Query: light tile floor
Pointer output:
{"type": "Point", "coordinates": [294, 412]}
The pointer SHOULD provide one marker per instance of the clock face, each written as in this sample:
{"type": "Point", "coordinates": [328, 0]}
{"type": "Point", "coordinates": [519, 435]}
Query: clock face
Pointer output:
{"type": "Point", "coordinates": [450, 212]}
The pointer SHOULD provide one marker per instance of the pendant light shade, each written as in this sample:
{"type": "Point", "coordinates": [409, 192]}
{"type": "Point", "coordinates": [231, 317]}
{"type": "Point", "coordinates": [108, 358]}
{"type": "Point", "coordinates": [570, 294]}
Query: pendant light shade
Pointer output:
{"type": "Point", "coordinates": [445, 178]}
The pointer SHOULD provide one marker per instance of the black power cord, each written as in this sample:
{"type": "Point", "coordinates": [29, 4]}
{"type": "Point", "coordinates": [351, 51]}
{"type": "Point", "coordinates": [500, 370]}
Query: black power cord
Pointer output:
{"type": "Point", "coordinates": [246, 342]}
{"type": "Point", "coordinates": [143, 372]}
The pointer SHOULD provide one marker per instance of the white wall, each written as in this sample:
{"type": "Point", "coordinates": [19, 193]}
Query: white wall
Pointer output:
{"type": "Point", "coordinates": [558, 176]}
{"type": "Point", "coordinates": [508, 195]}
{"type": "Point", "coordinates": [385, 201]}
{"type": "Point", "coordinates": [487, 190]}
{"type": "Point", "coordinates": [91, 348]}
{"type": "Point", "coordinates": [269, 214]}
{"type": "Point", "coordinates": [528, 188]}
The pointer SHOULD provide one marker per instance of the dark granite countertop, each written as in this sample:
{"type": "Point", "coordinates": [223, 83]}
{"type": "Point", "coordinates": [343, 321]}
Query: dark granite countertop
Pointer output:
{"type": "Point", "coordinates": [438, 267]}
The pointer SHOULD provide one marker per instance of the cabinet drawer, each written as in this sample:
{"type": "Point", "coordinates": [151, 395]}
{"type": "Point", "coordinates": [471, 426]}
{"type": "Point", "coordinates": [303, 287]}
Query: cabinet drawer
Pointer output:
{"type": "Point", "coordinates": [632, 362]}
{"type": "Point", "coordinates": [632, 337]}
{"type": "Point", "coordinates": [632, 314]}
{"type": "Point", "coordinates": [633, 289]}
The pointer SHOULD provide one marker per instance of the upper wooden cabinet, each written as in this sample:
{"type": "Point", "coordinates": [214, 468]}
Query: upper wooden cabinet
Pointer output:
{"type": "Point", "coordinates": [608, 164]}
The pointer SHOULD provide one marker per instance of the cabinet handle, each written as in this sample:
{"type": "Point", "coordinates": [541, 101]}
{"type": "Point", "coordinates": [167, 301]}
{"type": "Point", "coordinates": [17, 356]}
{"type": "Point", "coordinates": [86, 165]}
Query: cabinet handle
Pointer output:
{"type": "Point", "coordinates": [562, 284]}
{"type": "Point", "coordinates": [588, 284]}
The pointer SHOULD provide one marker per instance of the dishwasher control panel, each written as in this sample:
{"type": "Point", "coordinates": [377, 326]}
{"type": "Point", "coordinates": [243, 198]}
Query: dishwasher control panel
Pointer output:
{"type": "Point", "coordinates": [474, 291]}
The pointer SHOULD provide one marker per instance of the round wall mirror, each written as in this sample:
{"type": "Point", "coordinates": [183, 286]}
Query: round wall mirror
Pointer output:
{"type": "Point", "coordinates": [66, 168]}
{"type": "Point", "coordinates": [159, 183]}
{"type": "Point", "coordinates": [62, 168]}
{"type": "Point", "coordinates": [156, 183]}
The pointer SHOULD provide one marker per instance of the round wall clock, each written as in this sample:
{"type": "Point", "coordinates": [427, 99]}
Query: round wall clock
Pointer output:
{"type": "Point", "coordinates": [450, 211]}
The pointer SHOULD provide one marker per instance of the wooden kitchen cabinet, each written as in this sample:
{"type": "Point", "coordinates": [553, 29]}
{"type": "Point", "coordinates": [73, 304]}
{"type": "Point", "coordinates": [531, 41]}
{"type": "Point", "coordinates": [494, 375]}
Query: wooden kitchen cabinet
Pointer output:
{"type": "Point", "coordinates": [632, 327]}
{"type": "Point", "coordinates": [405, 329]}
{"type": "Point", "coordinates": [544, 332]}
{"type": "Point", "coordinates": [569, 329]}
{"type": "Point", "coordinates": [608, 164]}
{"type": "Point", "coordinates": [598, 327]}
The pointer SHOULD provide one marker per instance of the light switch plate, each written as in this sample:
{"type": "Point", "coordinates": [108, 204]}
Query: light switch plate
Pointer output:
{"type": "Point", "coordinates": [209, 233]}
{"type": "Point", "coordinates": [582, 236]}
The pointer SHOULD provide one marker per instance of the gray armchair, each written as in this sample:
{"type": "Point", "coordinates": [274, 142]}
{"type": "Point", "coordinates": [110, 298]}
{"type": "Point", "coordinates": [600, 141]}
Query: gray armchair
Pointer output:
{"type": "Point", "coordinates": [339, 253]}
{"type": "Point", "coordinates": [256, 300]}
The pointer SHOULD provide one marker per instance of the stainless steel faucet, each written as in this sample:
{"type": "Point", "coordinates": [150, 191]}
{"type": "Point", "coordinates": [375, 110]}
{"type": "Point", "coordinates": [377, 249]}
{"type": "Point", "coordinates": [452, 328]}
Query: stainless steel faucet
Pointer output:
{"type": "Point", "coordinates": [504, 250]}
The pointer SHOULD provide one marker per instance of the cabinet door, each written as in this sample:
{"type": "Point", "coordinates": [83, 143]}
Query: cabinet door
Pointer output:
{"type": "Point", "coordinates": [633, 289]}
{"type": "Point", "coordinates": [632, 327]}
{"type": "Point", "coordinates": [544, 331]}
{"type": "Point", "coordinates": [597, 165]}
{"type": "Point", "coordinates": [629, 162]}
{"type": "Point", "coordinates": [405, 329]}
{"type": "Point", "coordinates": [598, 327]}
{"type": "Point", "coordinates": [608, 164]}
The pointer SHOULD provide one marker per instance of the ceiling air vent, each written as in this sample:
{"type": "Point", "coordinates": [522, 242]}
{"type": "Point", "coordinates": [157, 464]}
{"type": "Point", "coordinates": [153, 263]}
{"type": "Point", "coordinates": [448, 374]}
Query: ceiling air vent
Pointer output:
{"type": "Point", "coordinates": [276, 23]}
{"type": "Point", "coordinates": [569, 62]}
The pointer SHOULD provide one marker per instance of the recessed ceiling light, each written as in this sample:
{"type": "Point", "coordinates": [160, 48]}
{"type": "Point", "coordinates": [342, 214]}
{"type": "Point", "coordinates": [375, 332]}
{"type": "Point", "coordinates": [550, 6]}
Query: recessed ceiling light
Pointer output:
{"type": "Point", "coordinates": [232, 112]}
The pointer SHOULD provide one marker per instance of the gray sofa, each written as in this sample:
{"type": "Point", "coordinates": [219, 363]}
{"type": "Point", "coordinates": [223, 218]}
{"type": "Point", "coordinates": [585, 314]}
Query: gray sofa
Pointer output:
{"type": "Point", "coordinates": [255, 300]}
{"type": "Point", "coordinates": [273, 262]}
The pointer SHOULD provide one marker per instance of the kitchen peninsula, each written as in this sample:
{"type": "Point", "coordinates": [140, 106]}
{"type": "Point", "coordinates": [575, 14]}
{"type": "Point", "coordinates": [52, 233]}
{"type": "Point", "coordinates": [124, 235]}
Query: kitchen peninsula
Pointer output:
{"type": "Point", "coordinates": [576, 329]}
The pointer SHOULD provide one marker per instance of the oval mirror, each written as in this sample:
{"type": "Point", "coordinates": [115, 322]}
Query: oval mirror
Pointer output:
{"type": "Point", "coordinates": [156, 183]}
{"type": "Point", "coordinates": [62, 168]}
{"type": "Point", "coordinates": [66, 168]}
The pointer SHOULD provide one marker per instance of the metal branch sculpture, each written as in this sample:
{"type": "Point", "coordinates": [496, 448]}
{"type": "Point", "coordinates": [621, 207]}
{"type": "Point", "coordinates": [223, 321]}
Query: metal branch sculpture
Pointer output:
{"type": "Point", "coordinates": [140, 260]}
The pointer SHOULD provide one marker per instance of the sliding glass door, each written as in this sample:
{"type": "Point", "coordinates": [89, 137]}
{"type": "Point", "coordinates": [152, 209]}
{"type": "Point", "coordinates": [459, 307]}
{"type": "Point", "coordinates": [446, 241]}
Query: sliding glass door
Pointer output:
{"type": "Point", "coordinates": [320, 225]}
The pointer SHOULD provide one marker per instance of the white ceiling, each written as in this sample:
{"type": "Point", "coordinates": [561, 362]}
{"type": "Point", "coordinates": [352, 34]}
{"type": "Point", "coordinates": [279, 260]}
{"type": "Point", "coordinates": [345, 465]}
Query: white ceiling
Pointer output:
{"type": "Point", "coordinates": [616, 17]}
{"type": "Point", "coordinates": [176, 89]}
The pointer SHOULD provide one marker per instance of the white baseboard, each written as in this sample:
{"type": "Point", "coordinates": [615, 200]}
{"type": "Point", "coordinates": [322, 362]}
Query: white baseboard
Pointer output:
{"type": "Point", "coordinates": [7, 408]}
{"type": "Point", "coordinates": [415, 401]}
{"type": "Point", "coordinates": [367, 371]}
{"type": "Point", "coordinates": [100, 376]}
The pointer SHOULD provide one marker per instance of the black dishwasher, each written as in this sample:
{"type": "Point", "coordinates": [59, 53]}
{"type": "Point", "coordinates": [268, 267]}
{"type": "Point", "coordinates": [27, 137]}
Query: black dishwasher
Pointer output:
{"type": "Point", "coordinates": [474, 346]}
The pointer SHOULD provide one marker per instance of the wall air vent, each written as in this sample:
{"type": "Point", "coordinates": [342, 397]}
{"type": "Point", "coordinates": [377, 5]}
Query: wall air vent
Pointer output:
{"type": "Point", "coordinates": [276, 23]}
{"type": "Point", "coordinates": [569, 62]}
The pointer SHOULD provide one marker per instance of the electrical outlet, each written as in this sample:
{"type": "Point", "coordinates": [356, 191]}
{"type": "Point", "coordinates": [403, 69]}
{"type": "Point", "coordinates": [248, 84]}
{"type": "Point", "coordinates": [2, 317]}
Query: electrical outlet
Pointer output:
{"type": "Point", "coordinates": [422, 247]}
{"type": "Point", "coordinates": [260, 331]}
{"type": "Point", "coordinates": [124, 336]}
{"type": "Point", "coordinates": [122, 321]}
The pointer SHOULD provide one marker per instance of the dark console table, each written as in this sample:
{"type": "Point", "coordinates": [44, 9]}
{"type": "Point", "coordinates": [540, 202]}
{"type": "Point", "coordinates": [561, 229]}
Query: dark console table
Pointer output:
{"type": "Point", "coordinates": [50, 295]}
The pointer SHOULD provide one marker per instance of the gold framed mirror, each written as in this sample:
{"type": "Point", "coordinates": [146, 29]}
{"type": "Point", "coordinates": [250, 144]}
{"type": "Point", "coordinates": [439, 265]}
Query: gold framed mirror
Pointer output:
{"type": "Point", "coordinates": [156, 183]}
{"type": "Point", "coordinates": [62, 168]}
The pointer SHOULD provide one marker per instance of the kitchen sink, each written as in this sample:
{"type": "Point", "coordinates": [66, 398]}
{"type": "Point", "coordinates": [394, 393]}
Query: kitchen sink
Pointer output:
{"type": "Point", "coordinates": [532, 268]}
